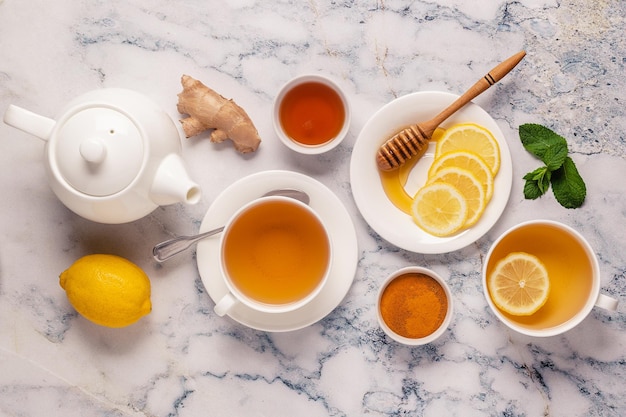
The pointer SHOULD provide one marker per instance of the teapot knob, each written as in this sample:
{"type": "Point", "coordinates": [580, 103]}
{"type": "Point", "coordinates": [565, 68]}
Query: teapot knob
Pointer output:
{"type": "Point", "coordinates": [93, 150]}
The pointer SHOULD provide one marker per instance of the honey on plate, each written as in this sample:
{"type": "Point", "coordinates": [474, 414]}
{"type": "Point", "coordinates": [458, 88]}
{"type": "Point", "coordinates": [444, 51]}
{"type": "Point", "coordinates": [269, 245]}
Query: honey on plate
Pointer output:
{"type": "Point", "coordinates": [569, 271]}
{"type": "Point", "coordinates": [312, 113]}
{"type": "Point", "coordinates": [394, 182]}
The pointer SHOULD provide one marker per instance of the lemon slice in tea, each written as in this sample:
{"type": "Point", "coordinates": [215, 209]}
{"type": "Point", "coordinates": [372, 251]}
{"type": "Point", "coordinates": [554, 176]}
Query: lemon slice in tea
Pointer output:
{"type": "Point", "coordinates": [519, 284]}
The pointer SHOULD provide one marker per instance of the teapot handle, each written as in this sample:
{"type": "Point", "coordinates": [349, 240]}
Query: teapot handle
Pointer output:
{"type": "Point", "coordinates": [29, 122]}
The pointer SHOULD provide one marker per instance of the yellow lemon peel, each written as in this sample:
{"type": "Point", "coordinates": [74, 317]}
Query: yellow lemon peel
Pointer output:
{"type": "Point", "coordinates": [107, 289]}
{"type": "Point", "coordinates": [519, 284]}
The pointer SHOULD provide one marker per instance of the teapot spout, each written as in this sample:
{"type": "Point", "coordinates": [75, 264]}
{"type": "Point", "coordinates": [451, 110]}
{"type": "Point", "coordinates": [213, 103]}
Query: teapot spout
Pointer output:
{"type": "Point", "coordinates": [29, 122]}
{"type": "Point", "coordinates": [172, 183]}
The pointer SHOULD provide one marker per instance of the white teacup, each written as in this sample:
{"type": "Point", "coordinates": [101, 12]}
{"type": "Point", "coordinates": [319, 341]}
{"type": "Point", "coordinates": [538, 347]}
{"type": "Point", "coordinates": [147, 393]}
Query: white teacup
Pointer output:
{"type": "Point", "coordinates": [572, 268]}
{"type": "Point", "coordinates": [275, 256]}
{"type": "Point", "coordinates": [311, 114]}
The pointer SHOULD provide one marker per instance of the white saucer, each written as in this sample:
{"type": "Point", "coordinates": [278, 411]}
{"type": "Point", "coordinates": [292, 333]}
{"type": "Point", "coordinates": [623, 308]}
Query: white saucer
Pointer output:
{"type": "Point", "coordinates": [342, 234]}
{"type": "Point", "coordinates": [386, 219]}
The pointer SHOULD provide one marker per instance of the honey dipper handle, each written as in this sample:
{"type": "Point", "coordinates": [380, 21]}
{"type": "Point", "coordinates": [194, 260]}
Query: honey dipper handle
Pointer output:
{"type": "Point", "coordinates": [492, 77]}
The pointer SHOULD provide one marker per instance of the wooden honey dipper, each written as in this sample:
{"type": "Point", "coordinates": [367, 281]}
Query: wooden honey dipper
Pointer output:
{"type": "Point", "coordinates": [414, 139]}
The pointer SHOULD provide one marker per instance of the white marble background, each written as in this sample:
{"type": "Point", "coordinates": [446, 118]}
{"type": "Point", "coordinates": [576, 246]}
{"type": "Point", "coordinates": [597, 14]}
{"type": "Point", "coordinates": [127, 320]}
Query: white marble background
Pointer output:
{"type": "Point", "coordinates": [182, 360]}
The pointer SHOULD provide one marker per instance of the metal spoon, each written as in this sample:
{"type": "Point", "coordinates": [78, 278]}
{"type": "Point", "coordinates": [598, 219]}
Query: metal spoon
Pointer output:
{"type": "Point", "coordinates": [169, 248]}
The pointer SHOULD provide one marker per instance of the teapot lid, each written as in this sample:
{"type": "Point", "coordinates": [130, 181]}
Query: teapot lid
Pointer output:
{"type": "Point", "coordinates": [99, 151]}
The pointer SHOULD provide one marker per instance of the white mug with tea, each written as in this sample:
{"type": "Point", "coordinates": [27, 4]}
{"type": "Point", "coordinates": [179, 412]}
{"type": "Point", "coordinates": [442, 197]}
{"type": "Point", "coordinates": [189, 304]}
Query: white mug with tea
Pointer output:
{"type": "Point", "coordinates": [275, 256]}
{"type": "Point", "coordinates": [567, 261]}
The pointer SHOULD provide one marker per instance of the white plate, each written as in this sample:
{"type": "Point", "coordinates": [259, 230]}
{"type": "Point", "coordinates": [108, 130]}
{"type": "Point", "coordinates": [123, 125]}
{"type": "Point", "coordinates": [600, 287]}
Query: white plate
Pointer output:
{"type": "Point", "coordinates": [386, 219]}
{"type": "Point", "coordinates": [342, 235]}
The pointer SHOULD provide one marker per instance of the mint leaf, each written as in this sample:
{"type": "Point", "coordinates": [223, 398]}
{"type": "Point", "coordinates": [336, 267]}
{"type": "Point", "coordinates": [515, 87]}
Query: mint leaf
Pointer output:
{"type": "Point", "coordinates": [554, 156]}
{"type": "Point", "coordinates": [544, 144]}
{"type": "Point", "coordinates": [537, 183]}
{"type": "Point", "coordinates": [559, 171]}
{"type": "Point", "coordinates": [531, 190]}
{"type": "Point", "coordinates": [541, 177]}
{"type": "Point", "coordinates": [568, 186]}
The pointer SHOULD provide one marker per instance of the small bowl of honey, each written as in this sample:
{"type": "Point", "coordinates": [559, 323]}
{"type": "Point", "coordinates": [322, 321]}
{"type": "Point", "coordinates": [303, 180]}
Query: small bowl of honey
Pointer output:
{"type": "Point", "coordinates": [311, 114]}
{"type": "Point", "coordinates": [414, 306]}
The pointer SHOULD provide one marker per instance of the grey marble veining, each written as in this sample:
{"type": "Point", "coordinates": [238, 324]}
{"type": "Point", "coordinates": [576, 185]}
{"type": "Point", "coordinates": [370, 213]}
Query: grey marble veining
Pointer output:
{"type": "Point", "coordinates": [183, 360]}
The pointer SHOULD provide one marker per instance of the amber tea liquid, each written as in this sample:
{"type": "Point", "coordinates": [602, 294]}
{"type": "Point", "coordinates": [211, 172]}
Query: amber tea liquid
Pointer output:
{"type": "Point", "coordinates": [569, 270]}
{"type": "Point", "coordinates": [276, 252]}
{"type": "Point", "coordinates": [312, 113]}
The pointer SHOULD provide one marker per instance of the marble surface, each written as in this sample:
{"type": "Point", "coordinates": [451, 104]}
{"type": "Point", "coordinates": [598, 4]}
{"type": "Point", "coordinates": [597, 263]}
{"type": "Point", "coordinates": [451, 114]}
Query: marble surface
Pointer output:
{"type": "Point", "coordinates": [183, 360]}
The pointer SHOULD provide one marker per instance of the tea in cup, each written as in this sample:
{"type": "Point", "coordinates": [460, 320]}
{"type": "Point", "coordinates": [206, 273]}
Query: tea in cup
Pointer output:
{"type": "Point", "coordinates": [275, 256]}
{"type": "Point", "coordinates": [414, 306]}
{"type": "Point", "coordinates": [311, 114]}
{"type": "Point", "coordinates": [571, 268]}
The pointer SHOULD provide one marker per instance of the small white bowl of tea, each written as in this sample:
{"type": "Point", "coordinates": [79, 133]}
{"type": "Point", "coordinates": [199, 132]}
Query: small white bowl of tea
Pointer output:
{"type": "Point", "coordinates": [311, 114]}
{"type": "Point", "coordinates": [414, 306]}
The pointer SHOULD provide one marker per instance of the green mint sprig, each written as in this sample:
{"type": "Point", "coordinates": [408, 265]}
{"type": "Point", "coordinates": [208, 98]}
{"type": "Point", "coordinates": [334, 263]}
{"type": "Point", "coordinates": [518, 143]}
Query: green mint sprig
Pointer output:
{"type": "Point", "coordinates": [559, 170]}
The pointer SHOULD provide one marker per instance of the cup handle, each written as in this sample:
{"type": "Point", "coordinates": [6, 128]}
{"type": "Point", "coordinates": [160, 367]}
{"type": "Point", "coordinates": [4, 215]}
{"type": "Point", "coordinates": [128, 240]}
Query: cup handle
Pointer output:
{"type": "Point", "coordinates": [606, 302]}
{"type": "Point", "coordinates": [224, 305]}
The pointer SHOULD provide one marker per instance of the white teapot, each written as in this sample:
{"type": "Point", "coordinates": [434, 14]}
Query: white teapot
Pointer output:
{"type": "Point", "coordinates": [113, 156]}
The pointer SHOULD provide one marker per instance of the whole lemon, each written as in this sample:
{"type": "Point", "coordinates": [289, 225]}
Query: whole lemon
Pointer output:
{"type": "Point", "coordinates": [107, 289]}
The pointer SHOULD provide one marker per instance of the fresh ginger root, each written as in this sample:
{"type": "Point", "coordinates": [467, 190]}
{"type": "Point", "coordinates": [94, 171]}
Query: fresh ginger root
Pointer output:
{"type": "Point", "coordinates": [209, 110]}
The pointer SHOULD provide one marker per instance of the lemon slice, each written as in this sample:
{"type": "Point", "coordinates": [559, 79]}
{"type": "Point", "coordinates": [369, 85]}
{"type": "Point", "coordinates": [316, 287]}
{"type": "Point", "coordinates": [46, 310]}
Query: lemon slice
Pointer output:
{"type": "Point", "coordinates": [519, 284]}
{"type": "Point", "coordinates": [439, 209]}
{"type": "Point", "coordinates": [473, 138]}
{"type": "Point", "coordinates": [469, 161]}
{"type": "Point", "coordinates": [467, 184]}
